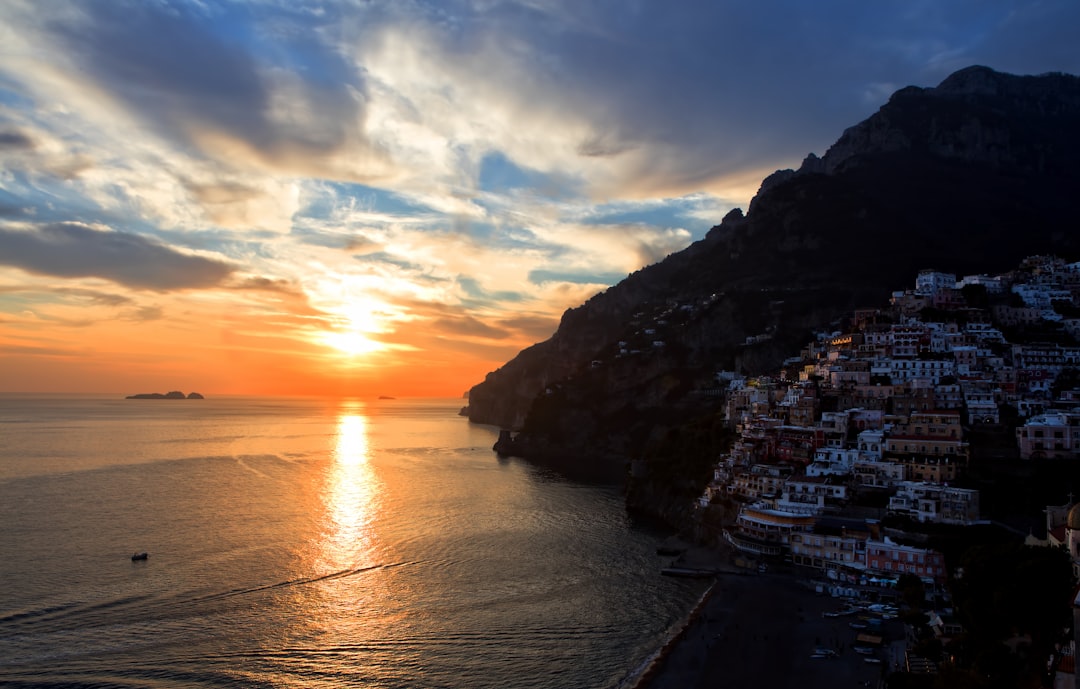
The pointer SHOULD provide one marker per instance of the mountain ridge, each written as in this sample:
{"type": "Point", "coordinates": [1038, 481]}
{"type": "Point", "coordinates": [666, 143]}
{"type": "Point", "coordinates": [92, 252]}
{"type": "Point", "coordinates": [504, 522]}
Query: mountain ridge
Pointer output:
{"type": "Point", "coordinates": [968, 176]}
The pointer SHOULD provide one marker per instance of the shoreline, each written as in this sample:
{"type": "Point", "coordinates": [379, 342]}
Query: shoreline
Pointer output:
{"type": "Point", "coordinates": [763, 629]}
{"type": "Point", "coordinates": [653, 665]}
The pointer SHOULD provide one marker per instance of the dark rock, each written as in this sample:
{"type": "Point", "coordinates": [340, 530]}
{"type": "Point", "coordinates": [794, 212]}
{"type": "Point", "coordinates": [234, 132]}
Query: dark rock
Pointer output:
{"type": "Point", "coordinates": [172, 395]}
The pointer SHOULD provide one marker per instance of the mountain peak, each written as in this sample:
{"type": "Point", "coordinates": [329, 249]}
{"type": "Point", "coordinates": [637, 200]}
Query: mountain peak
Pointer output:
{"type": "Point", "coordinates": [969, 176]}
{"type": "Point", "coordinates": [975, 79]}
{"type": "Point", "coordinates": [975, 115]}
{"type": "Point", "coordinates": [978, 80]}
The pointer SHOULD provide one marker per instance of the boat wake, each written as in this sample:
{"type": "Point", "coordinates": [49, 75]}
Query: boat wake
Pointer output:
{"type": "Point", "coordinates": [148, 606]}
{"type": "Point", "coordinates": [302, 581]}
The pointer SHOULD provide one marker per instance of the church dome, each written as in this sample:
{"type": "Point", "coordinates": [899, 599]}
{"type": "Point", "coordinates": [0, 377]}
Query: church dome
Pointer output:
{"type": "Point", "coordinates": [1072, 521]}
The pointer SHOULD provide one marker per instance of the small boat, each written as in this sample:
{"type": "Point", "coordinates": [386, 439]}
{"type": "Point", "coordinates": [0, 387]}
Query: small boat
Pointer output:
{"type": "Point", "coordinates": [135, 557]}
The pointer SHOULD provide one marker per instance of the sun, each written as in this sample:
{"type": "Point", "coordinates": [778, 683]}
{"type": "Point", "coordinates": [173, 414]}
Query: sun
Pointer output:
{"type": "Point", "coordinates": [354, 323]}
{"type": "Point", "coordinates": [352, 343]}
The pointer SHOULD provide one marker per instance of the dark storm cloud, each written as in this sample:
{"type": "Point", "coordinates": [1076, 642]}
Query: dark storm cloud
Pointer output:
{"type": "Point", "coordinates": [68, 250]}
{"type": "Point", "coordinates": [13, 139]}
{"type": "Point", "coordinates": [181, 75]}
{"type": "Point", "coordinates": [10, 211]}
{"type": "Point", "coordinates": [729, 85]}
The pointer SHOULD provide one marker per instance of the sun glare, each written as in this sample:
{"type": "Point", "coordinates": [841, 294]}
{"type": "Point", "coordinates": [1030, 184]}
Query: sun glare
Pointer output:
{"type": "Point", "coordinates": [352, 343]}
{"type": "Point", "coordinates": [355, 322]}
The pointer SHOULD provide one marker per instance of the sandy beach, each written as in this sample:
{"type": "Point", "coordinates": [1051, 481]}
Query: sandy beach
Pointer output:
{"type": "Point", "coordinates": [755, 629]}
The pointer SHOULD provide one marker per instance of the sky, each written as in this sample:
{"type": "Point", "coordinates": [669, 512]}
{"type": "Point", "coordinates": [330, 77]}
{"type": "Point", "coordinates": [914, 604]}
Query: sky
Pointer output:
{"type": "Point", "coordinates": [361, 198]}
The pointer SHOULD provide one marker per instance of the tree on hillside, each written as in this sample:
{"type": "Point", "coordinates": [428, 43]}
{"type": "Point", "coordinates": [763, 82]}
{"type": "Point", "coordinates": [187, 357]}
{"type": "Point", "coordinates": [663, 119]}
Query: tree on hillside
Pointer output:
{"type": "Point", "coordinates": [1068, 379]}
{"type": "Point", "coordinates": [1010, 587]}
{"type": "Point", "coordinates": [912, 590]}
{"type": "Point", "coordinates": [976, 296]}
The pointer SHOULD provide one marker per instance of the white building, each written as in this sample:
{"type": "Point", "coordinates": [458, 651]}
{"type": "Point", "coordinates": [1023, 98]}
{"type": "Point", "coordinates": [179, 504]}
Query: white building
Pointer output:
{"type": "Point", "coordinates": [929, 282]}
{"type": "Point", "coordinates": [904, 370]}
{"type": "Point", "coordinates": [871, 445]}
{"type": "Point", "coordinates": [877, 474]}
{"type": "Point", "coordinates": [811, 495]}
{"type": "Point", "coordinates": [993, 283]}
{"type": "Point", "coordinates": [832, 461]}
{"type": "Point", "coordinates": [1054, 435]}
{"type": "Point", "coordinates": [931, 502]}
{"type": "Point", "coordinates": [1049, 357]}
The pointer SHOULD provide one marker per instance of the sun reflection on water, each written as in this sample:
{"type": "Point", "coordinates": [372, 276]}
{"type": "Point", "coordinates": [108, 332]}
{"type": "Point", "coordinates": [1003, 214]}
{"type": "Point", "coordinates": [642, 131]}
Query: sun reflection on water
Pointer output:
{"type": "Point", "coordinates": [351, 497]}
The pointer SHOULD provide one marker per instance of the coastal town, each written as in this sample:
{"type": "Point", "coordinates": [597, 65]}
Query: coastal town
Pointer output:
{"type": "Point", "coordinates": [861, 466]}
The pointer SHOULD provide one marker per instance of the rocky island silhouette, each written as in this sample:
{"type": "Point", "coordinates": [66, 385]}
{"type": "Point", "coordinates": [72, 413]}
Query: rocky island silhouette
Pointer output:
{"type": "Point", "coordinates": [173, 395]}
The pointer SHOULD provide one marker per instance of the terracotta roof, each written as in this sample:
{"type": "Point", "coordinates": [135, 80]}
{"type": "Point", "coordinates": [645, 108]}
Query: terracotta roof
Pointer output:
{"type": "Point", "coordinates": [1058, 533]}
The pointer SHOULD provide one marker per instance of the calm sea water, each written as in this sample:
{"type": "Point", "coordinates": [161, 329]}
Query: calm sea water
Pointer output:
{"type": "Point", "coordinates": [300, 543]}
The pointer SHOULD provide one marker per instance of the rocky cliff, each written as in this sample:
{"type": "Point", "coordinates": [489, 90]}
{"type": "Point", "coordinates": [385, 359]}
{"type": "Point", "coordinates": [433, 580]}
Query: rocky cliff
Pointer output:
{"type": "Point", "coordinates": [970, 176]}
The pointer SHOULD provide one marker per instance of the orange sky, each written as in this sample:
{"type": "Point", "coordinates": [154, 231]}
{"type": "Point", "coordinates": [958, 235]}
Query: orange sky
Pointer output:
{"type": "Point", "coordinates": [388, 198]}
{"type": "Point", "coordinates": [233, 343]}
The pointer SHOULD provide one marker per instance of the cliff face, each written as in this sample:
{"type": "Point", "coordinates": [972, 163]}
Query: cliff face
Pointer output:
{"type": "Point", "coordinates": [970, 176]}
{"type": "Point", "coordinates": [1014, 124]}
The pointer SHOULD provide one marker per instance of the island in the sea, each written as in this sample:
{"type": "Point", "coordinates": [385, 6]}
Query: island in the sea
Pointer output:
{"type": "Point", "coordinates": [173, 395]}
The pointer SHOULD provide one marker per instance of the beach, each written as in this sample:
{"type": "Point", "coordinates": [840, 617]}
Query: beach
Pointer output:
{"type": "Point", "coordinates": [763, 629]}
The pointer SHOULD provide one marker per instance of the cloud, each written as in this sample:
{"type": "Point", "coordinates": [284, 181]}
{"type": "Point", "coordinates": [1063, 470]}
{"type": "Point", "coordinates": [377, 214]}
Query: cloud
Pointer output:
{"type": "Point", "coordinates": [72, 250]}
{"type": "Point", "coordinates": [265, 284]}
{"type": "Point", "coordinates": [465, 325]}
{"type": "Point", "coordinates": [143, 314]}
{"type": "Point", "coordinates": [452, 174]}
{"type": "Point", "coordinates": [95, 297]}
{"type": "Point", "coordinates": [13, 139]}
{"type": "Point", "coordinates": [42, 351]}
{"type": "Point", "coordinates": [39, 151]}
{"type": "Point", "coordinates": [264, 204]}
{"type": "Point", "coordinates": [219, 99]}
{"type": "Point", "coordinates": [531, 328]}
{"type": "Point", "coordinates": [12, 211]}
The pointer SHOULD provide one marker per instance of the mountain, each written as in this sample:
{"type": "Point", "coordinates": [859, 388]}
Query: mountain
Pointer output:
{"type": "Point", "coordinates": [967, 177]}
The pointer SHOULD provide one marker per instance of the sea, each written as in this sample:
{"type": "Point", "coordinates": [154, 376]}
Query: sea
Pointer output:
{"type": "Point", "coordinates": [310, 543]}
